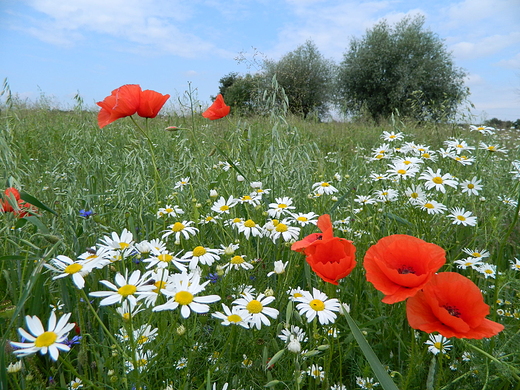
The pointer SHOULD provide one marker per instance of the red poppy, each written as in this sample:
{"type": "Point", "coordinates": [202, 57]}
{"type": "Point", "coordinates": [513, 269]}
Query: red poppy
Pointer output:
{"type": "Point", "coordinates": [331, 258]}
{"type": "Point", "coordinates": [12, 196]}
{"type": "Point", "coordinates": [453, 306]}
{"type": "Point", "coordinates": [400, 265]}
{"type": "Point", "coordinates": [128, 100]}
{"type": "Point", "coordinates": [217, 110]}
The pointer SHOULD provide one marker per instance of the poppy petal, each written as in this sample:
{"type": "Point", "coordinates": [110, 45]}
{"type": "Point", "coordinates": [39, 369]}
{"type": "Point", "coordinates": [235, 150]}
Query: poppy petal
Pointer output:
{"type": "Point", "coordinates": [151, 103]}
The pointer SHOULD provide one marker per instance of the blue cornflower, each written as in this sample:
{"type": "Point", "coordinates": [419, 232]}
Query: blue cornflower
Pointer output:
{"type": "Point", "coordinates": [85, 213]}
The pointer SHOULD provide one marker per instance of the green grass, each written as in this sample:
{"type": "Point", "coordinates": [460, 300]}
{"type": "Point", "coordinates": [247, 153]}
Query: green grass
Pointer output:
{"type": "Point", "coordinates": [67, 163]}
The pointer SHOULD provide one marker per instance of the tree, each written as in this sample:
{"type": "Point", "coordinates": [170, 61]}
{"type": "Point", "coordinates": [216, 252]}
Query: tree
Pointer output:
{"type": "Point", "coordinates": [241, 92]}
{"type": "Point", "coordinates": [306, 77]}
{"type": "Point", "coordinates": [405, 68]}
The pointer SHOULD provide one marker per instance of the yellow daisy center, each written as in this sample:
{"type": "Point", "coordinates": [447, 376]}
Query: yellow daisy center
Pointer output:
{"type": "Point", "coordinates": [199, 251]}
{"type": "Point", "coordinates": [224, 207]}
{"type": "Point", "coordinates": [142, 339]}
{"type": "Point", "coordinates": [429, 206]}
{"type": "Point", "coordinates": [235, 318]}
{"type": "Point", "coordinates": [127, 289]}
{"type": "Point", "coordinates": [168, 210]}
{"type": "Point", "coordinates": [282, 206]}
{"type": "Point", "coordinates": [184, 298]}
{"type": "Point", "coordinates": [236, 220]}
{"type": "Point", "coordinates": [414, 195]}
{"type": "Point", "coordinates": [471, 186]}
{"type": "Point", "coordinates": [177, 227]}
{"type": "Point", "coordinates": [461, 217]}
{"type": "Point", "coordinates": [237, 260]}
{"type": "Point", "coordinates": [476, 254]}
{"type": "Point", "coordinates": [123, 245]}
{"type": "Point", "coordinates": [426, 155]}
{"type": "Point", "coordinates": [401, 171]}
{"type": "Point", "coordinates": [438, 345]}
{"type": "Point", "coordinates": [73, 268]}
{"type": "Point", "coordinates": [317, 305]}
{"type": "Point", "coordinates": [254, 306]}
{"type": "Point", "coordinates": [160, 285]}
{"type": "Point", "coordinates": [46, 339]}
{"type": "Point", "coordinates": [165, 257]}
{"type": "Point", "coordinates": [437, 180]}
{"type": "Point", "coordinates": [246, 197]}
{"type": "Point", "coordinates": [302, 219]}
{"type": "Point", "coordinates": [297, 295]}
{"type": "Point", "coordinates": [249, 223]}
{"type": "Point", "coordinates": [281, 227]}
{"type": "Point", "coordinates": [324, 184]}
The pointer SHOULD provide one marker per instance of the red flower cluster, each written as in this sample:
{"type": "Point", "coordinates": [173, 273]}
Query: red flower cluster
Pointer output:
{"type": "Point", "coordinates": [404, 268]}
{"type": "Point", "coordinates": [10, 198]}
{"type": "Point", "coordinates": [128, 100]}
{"type": "Point", "coordinates": [217, 110]}
{"type": "Point", "coordinates": [331, 258]}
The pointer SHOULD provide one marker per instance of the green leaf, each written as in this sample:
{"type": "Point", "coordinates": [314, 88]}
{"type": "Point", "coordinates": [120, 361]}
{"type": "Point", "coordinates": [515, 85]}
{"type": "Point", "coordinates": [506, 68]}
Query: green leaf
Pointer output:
{"type": "Point", "coordinates": [35, 202]}
{"type": "Point", "coordinates": [35, 221]}
{"type": "Point", "coordinates": [382, 376]}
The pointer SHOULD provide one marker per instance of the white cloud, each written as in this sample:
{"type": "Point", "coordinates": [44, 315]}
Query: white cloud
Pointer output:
{"type": "Point", "coordinates": [486, 46]}
{"type": "Point", "coordinates": [511, 63]}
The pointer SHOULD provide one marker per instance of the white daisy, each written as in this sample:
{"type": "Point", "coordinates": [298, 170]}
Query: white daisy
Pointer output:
{"type": "Point", "coordinates": [162, 259]}
{"type": "Point", "coordinates": [488, 270]}
{"type": "Point", "coordinates": [324, 188]}
{"type": "Point", "coordinates": [318, 305]}
{"type": "Point", "coordinates": [127, 288]}
{"type": "Point", "coordinates": [515, 264]}
{"type": "Point", "coordinates": [437, 181]}
{"type": "Point", "coordinates": [279, 268]}
{"type": "Point", "coordinates": [257, 308]}
{"type": "Point", "coordinates": [363, 199]}
{"type": "Point", "coordinates": [286, 232]}
{"type": "Point", "coordinates": [182, 183]}
{"type": "Point", "coordinates": [415, 193]}
{"type": "Point", "coordinates": [222, 205]}
{"type": "Point", "coordinates": [402, 171]}
{"type": "Point", "coordinates": [438, 344]}
{"type": "Point", "coordinates": [492, 148]}
{"type": "Point", "coordinates": [170, 211]}
{"type": "Point", "coordinates": [233, 316]}
{"type": "Point", "coordinates": [282, 206]}
{"type": "Point", "coordinates": [316, 372]}
{"type": "Point", "coordinates": [477, 253]}
{"type": "Point", "coordinates": [39, 340]}
{"type": "Point", "coordinates": [392, 136]}
{"type": "Point", "coordinates": [237, 262]}
{"type": "Point", "coordinates": [304, 219]}
{"type": "Point", "coordinates": [179, 229]}
{"type": "Point", "coordinates": [183, 290]}
{"type": "Point", "coordinates": [201, 255]}
{"type": "Point", "coordinates": [253, 200]}
{"type": "Point", "coordinates": [64, 266]}
{"type": "Point", "coordinates": [124, 242]}
{"type": "Point", "coordinates": [458, 145]}
{"type": "Point", "coordinates": [431, 206]}
{"type": "Point", "coordinates": [469, 262]}
{"type": "Point", "coordinates": [471, 187]}
{"type": "Point", "coordinates": [250, 228]}
{"type": "Point", "coordinates": [462, 217]}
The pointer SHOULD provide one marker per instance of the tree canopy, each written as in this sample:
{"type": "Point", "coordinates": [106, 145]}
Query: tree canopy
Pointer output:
{"type": "Point", "coordinates": [403, 67]}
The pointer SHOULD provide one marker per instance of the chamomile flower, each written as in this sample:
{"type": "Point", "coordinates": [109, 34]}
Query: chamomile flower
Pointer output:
{"type": "Point", "coordinates": [462, 217]}
{"type": "Point", "coordinates": [145, 246]}
{"type": "Point", "coordinates": [304, 219]}
{"type": "Point", "coordinates": [142, 358]}
{"type": "Point", "coordinates": [415, 193]}
{"type": "Point", "coordinates": [282, 206]}
{"type": "Point", "coordinates": [366, 383]}
{"type": "Point", "coordinates": [392, 136]}
{"type": "Point", "coordinates": [285, 231]}
{"type": "Point", "coordinates": [476, 253]}
{"type": "Point", "coordinates": [253, 200]}
{"type": "Point", "coordinates": [437, 181]}
{"type": "Point", "coordinates": [464, 160]}
{"type": "Point", "coordinates": [233, 316]}
{"type": "Point", "coordinates": [458, 145]}
{"type": "Point", "coordinates": [180, 229]}
{"type": "Point", "coordinates": [201, 255]}
{"type": "Point", "coordinates": [162, 259]}
{"type": "Point", "coordinates": [279, 268]}
{"type": "Point", "coordinates": [295, 331]}
{"type": "Point", "coordinates": [222, 206]}
{"type": "Point", "coordinates": [471, 187]}
{"type": "Point", "coordinates": [183, 291]}
{"type": "Point", "coordinates": [75, 384]}
{"type": "Point", "coordinates": [237, 262]}
{"type": "Point", "coordinates": [124, 242]}
{"type": "Point", "coordinates": [324, 188]}
{"type": "Point", "coordinates": [386, 195]}
{"type": "Point", "coordinates": [257, 308]}
{"type": "Point", "coordinates": [438, 344]}
{"type": "Point", "coordinates": [128, 310]}
{"type": "Point", "coordinates": [181, 363]}
{"type": "Point", "coordinates": [363, 199]}
{"type": "Point", "coordinates": [182, 183]}
{"type": "Point", "coordinates": [317, 305]}
{"type": "Point", "coordinates": [492, 148]}
{"type": "Point", "coordinates": [482, 129]}
{"type": "Point", "coordinates": [378, 176]}
{"type": "Point", "coordinates": [295, 293]}
{"type": "Point", "coordinates": [169, 211]}
{"type": "Point", "coordinates": [402, 171]}
{"type": "Point", "coordinates": [126, 287]}
{"type": "Point", "coordinates": [515, 264]}
{"type": "Point", "coordinates": [469, 262]}
{"type": "Point", "coordinates": [316, 372]}
{"type": "Point", "coordinates": [64, 266]}
{"type": "Point", "coordinates": [205, 220]}
{"type": "Point", "coordinates": [97, 258]}
{"type": "Point", "coordinates": [250, 228]}
{"type": "Point", "coordinates": [430, 206]}
{"type": "Point", "coordinates": [488, 270]}
{"type": "Point", "coordinates": [38, 340]}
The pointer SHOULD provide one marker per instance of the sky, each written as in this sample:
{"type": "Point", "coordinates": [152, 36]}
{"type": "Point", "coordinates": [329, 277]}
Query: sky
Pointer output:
{"type": "Point", "coordinates": [60, 48]}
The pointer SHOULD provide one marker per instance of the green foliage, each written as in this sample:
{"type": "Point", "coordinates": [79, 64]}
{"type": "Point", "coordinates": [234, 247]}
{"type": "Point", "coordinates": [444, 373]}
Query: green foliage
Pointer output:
{"type": "Point", "coordinates": [241, 93]}
{"type": "Point", "coordinates": [404, 68]}
{"type": "Point", "coordinates": [306, 77]}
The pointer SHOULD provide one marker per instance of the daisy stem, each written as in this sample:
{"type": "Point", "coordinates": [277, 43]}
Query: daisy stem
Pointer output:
{"type": "Point", "coordinates": [500, 254]}
{"type": "Point", "coordinates": [513, 370]}
{"type": "Point", "coordinates": [109, 334]}
{"type": "Point", "coordinates": [71, 368]}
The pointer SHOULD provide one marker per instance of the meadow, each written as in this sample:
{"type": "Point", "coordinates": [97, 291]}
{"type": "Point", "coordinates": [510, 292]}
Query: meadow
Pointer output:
{"type": "Point", "coordinates": [212, 208]}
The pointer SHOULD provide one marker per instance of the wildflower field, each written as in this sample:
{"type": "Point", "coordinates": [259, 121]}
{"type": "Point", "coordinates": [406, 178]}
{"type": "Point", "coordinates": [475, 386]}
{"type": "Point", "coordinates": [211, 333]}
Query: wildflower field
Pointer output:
{"type": "Point", "coordinates": [180, 251]}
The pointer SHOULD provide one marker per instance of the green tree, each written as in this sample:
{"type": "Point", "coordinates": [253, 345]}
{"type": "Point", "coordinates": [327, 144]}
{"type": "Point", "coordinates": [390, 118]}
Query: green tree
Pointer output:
{"type": "Point", "coordinates": [241, 92]}
{"type": "Point", "coordinates": [405, 68]}
{"type": "Point", "coordinates": [306, 77]}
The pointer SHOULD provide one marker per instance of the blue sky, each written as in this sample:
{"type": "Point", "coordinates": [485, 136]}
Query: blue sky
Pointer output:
{"type": "Point", "coordinates": [61, 47]}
